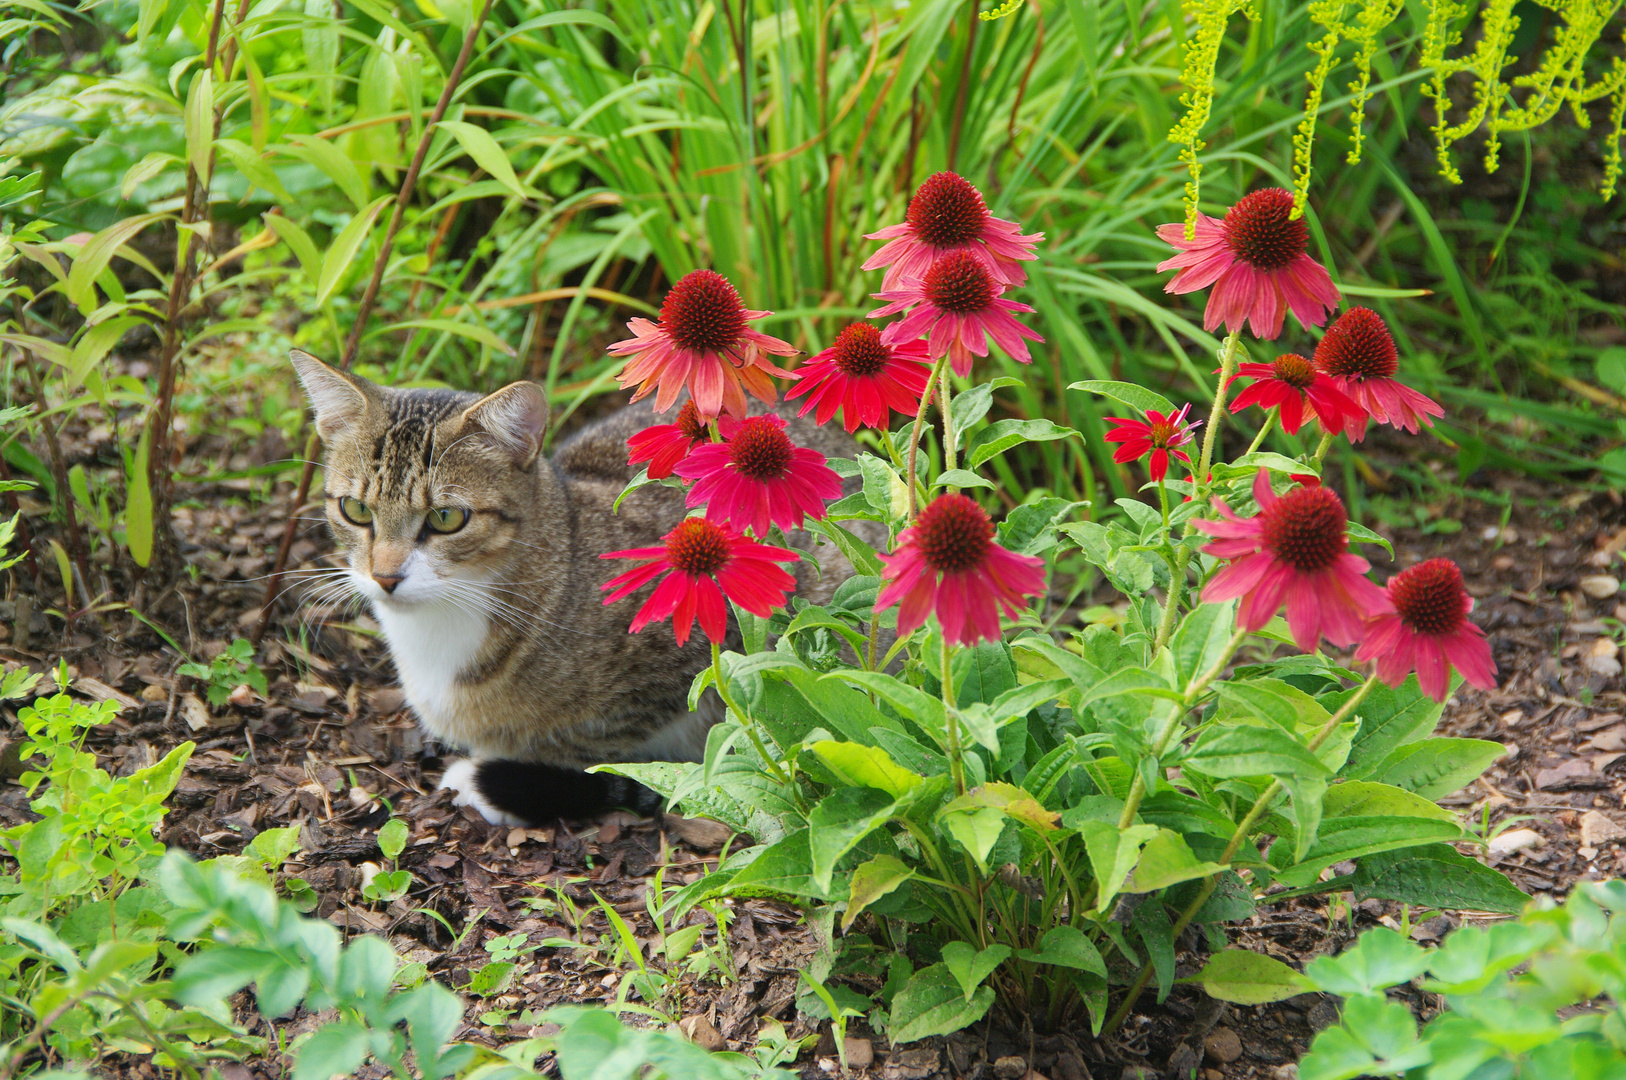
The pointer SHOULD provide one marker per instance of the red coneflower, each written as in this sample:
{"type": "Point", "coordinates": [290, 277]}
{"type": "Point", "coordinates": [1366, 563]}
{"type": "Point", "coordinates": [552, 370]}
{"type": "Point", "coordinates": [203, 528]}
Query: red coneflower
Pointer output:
{"type": "Point", "coordinates": [664, 445]}
{"type": "Point", "coordinates": [1425, 628]}
{"type": "Point", "coordinates": [957, 307]}
{"type": "Point", "coordinates": [1257, 260]}
{"type": "Point", "coordinates": [1286, 384]}
{"type": "Point", "coordinates": [758, 476]}
{"type": "Point", "coordinates": [704, 562]}
{"type": "Point", "coordinates": [1294, 551]}
{"type": "Point", "coordinates": [864, 377]}
{"type": "Point", "coordinates": [1359, 353]}
{"type": "Point", "coordinates": [947, 563]}
{"type": "Point", "coordinates": [947, 214]}
{"type": "Point", "coordinates": [702, 342]}
{"type": "Point", "coordinates": [1157, 433]}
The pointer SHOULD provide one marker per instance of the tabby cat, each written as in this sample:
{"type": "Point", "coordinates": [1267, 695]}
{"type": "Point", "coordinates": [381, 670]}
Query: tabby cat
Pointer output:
{"type": "Point", "coordinates": [480, 559]}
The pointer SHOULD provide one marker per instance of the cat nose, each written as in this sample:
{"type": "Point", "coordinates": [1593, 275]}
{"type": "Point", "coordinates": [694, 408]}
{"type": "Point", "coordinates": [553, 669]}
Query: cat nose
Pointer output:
{"type": "Point", "coordinates": [389, 581]}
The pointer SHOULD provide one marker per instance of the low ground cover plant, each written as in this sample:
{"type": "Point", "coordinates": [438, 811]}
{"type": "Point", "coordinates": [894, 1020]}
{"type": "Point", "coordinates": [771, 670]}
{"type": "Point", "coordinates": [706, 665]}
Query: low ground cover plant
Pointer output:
{"type": "Point", "coordinates": [977, 800]}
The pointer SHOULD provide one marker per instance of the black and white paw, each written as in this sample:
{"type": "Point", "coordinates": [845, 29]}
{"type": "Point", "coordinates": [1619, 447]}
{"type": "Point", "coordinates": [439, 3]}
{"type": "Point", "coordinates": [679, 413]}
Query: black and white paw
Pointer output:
{"type": "Point", "coordinates": [463, 777]}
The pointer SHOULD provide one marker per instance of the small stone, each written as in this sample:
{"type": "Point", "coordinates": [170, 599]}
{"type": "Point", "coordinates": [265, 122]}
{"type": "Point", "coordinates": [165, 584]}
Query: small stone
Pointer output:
{"type": "Point", "coordinates": [359, 797]}
{"type": "Point", "coordinates": [1515, 840]}
{"type": "Point", "coordinates": [1011, 1067]}
{"type": "Point", "coordinates": [1213, 1074]}
{"type": "Point", "coordinates": [1289, 1071]}
{"type": "Point", "coordinates": [700, 1031]}
{"type": "Point", "coordinates": [916, 1064]}
{"type": "Point", "coordinates": [243, 696]}
{"type": "Point", "coordinates": [1598, 830]}
{"type": "Point", "coordinates": [1600, 586]}
{"type": "Point", "coordinates": [860, 1052]}
{"type": "Point", "coordinates": [1490, 532]}
{"type": "Point", "coordinates": [155, 694]}
{"type": "Point", "coordinates": [1503, 562]}
{"type": "Point", "coordinates": [1223, 1045]}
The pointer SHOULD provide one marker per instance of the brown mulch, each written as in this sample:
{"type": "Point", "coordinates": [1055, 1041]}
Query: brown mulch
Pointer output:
{"type": "Point", "coordinates": [332, 750]}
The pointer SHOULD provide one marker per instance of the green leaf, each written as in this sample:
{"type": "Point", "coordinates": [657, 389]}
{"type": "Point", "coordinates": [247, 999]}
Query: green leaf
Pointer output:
{"type": "Point", "coordinates": [1253, 750]}
{"type": "Point", "coordinates": [392, 838]}
{"type": "Point", "coordinates": [342, 254]}
{"type": "Point", "coordinates": [272, 847]}
{"type": "Point", "coordinates": [1436, 876]}
{"type": "Point", "coordinates": [859, 553]}
{"type": "Point", "coordinates": [281, 988]}
{"type": "Point", "coordinates": [784, 867]}
{"type": "Point", "coordinates": [916, 704]}
{"type": "Point", "coordinates": [1167, 860]}
{"type": "Point", "coordinates": [492, 978]}
{"type": "Point", "coordinates": [1390, 717]}
{"type": "Point", "coordinates": [1283, 704]}
{"type": "Point", "coordinates": [870, 882]}
{"type": "Point", "coordinates": [336, 1049]}
{"type": "Point", "coordinates": [970, 966]}
{"type": "Point", "coordinates": [849, 712]}
{"type": "Point", "coordinates": [1133, 395]}
{"type": "Point", "coordinates": [1434, 768]}
{"type": "Point", "coordinates": [972, 405]}
{"type": "Point", "coordinates": [216, 974]}
{"type": "Point", "coordinates": [332, 162]}
{"type": "Point", "coordinates": [1354, 837]}
{"type": "Point", "coordinates": [1363, 798]}
{"type": "Point", "coordinates": [300, 244]}
{"type": "Point", "coordinates": [485, 151]}
{"type": "Point", "coordinates": [200, 124]}
{"type": "Point", "coordinates": [1067, 946]}
{"type": "Point", "coordinates": [1112, 855]}
{"type": "Point", "coordinates": [1249, 978]}
{"type": "Point", "coordinates": [839, 822]}
{"type": "Point", "coordinates": [933, 1004]}
{"type": "Point", "coordinates": [884, 490]}
{"type": "Point", "coordinates": [865, 767]}
{"type": "Point", "coordinates": [472, 331]}
{"type": "Point", "coordinates": [1201, 639]}
{"type": "Point", "coordinates": [1001, 435]}
{"type": "Point", "coordinates": [138, 523]}
{"type": "Point", "coordinates": [1379, 959]}
{"type": "Point", "coordinates": [96, 254]}
{"type": "Point", "coordinates": [1378, 1037]}
{"type": "Point", "coordinates": [976, 831]}
{"type": "Point", "coordinates": [961, 478]}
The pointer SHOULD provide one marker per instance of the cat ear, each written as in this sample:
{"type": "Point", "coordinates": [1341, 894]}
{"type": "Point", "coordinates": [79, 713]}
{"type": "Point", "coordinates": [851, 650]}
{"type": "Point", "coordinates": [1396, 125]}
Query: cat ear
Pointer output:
{"type": "Point", "coordinates": [516, 417]}
{"type": "Point", "coordinates": [337, 398]}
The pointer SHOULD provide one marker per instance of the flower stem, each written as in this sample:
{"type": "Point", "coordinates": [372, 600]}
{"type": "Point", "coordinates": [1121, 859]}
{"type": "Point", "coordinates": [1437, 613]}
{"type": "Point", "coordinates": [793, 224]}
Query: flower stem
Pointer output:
{"type": "Point", "coordinates": [1137, 787]}
{"type": "Point", "coordinates": [1227, 370]}
{"type": "Point", "coordinates": [745, 719]}
{"type": "Point", "coordinates": [1321, 451]}
{"type": "Point", "coordinates": [946, 407]}
{"type": "Point", "coordinates": [912, 477]}
{"type": "Point", "coordinates": [950, 721]}
{"type": "Point", "coordinates": [1163, 502]}
{"type": "Point", "coordinates": [1238, 838]}
{"type": "Point", "coordinates": [1264, 429]}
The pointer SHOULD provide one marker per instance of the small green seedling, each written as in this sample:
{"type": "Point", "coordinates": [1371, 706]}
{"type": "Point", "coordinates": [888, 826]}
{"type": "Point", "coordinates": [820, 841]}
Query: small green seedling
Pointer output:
{"type": "Point", "coordinates": [391, 884]}
{"type": "Point", "coordinates": [232, 668]}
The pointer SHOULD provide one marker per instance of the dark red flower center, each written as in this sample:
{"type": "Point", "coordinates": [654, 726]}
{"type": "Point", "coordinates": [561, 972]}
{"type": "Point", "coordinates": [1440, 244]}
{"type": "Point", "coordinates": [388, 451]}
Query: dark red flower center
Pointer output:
{"type": "Point", "coordinates": [858, 351]}
{"type": "Point", "coordinates": [1430, 597]}
{"type": "Point", "coordinates": [697, 547]}
{"type": "Point", "coordinates": [959, 284]}
{"type": "Point", "coordinates": [703, 312]}
{"type": "Point", "coordinates": [760, 449]}
{"type": "Point", "coordinates": [1358, 347]}
{"type": "Point", "coordinates": [1305, 528]}
{"type": "Point", "coordinates": [1294, 370]}
{"type": "Point", "coordinates": [689, 423]}
{"type": "Point", "coordinates": [946, 211]}
{"type": "Point", "coordinates": [954, 534]}
{"type": "Point", "coordinates": [1259, 231]}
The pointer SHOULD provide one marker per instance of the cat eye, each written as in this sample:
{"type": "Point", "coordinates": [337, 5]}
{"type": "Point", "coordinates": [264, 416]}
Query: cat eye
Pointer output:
{"type": "Point", "coordinates": [448, 519]}
{"type": "Point", "coordinates": [355, 511]}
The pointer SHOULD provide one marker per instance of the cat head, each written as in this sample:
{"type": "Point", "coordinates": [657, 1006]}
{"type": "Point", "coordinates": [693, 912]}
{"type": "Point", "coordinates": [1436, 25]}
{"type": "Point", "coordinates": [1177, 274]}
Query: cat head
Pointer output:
{"type": "Point", "coordinates": [426, 490]}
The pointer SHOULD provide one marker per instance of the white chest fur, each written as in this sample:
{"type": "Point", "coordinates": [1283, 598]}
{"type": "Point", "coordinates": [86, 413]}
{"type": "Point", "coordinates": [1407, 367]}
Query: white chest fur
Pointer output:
{"type": "Point", "coordinates": [431, 643]}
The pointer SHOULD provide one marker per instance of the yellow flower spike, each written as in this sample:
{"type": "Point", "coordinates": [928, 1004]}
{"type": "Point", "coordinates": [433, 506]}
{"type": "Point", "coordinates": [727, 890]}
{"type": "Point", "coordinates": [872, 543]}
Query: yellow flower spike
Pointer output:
{"type": "Point", "coordinates": [1007, 8]}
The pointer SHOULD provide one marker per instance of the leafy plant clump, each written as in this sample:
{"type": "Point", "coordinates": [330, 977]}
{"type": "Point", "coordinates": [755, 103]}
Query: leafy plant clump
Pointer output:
{"type": "Point", "coordinates": [1030, 812]}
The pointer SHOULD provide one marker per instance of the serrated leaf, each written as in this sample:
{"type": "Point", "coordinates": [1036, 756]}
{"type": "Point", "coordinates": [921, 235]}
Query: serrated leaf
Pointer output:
{"type": "Point", "coordinates": [1437, 767]}
{"type": "Point", "coordinates": [839, 822]}
{"type": "Point", "coordinates": [1001, 435]}
{"type": "Point", "coordinates": [933, 1004]}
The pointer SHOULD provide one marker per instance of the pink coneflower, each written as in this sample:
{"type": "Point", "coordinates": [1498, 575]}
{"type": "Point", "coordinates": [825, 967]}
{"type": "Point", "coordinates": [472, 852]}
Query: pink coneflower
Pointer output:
{"type": "Point", "coordinates": [948, 214]}
{"type": "Point", "coordinates": [947, 563]}
{"type": "Point", "coordinates": [1257, 260]}
{"type": "Point", "coordinates": [706, 561]}
{"type": "Point", "coordinates": [1287, 384]}
{"type": "Point", "coordinates": [864, 377]}
{"type": "Point", "coordinates": [758, 476]}
{"type": "Point", "coordinates": [1294, 551]}
{"type": "Point", "coordinates": [1425, 628]}
{"type": "Point", "coordinates": [1162, 435]}
{"type": "Point", "coordinates": [702, 342]}
{"type": "Point", "coordinates": [1358, 353]}
{"type": "Point", "coordinates": [959, 308]}
{"type": "Point", "coordinates": [664, 445]}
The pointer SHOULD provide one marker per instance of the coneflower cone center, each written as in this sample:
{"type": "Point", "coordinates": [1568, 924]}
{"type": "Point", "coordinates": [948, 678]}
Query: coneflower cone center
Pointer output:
{"type": "Point", "coordinates": [1260, 232]}
{"type": "Point", "coordinates": [1294, 370]}
{"type": "Point", "coordinates": [703, 312]}
{"type": "Point", "coordinates": [697, 547]}
{"type": "Point", "coordinates": [1429, 597]}
{"type": "Point", "coordinates": [946, 211]}
{"type": "Point", "coordinates": [689, 423]}
{"type": "Point", "coordinates": [954, 534]}
{"type": "Point", "coordinates": [761, 450]}
{"type": "Point", "coordinates": [1305, 528]}
{"type": "Point", "coordinates": [1358, 347]}
{"type": "Point", "coordinates": [959, 284]}
{"type": "Point", "coordinates": [859, 352]}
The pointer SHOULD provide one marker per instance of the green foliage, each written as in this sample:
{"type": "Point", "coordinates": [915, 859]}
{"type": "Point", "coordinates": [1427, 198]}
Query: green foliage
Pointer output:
{"type": "Point", "coordinates": [1505, 987]}
{"type": "Point", "coordinates": [234, 667]}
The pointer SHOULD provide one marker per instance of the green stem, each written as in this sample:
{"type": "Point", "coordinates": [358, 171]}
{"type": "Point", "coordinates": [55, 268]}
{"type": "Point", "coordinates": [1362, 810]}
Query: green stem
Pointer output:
{"type": "Point", "coordinates": [950, 720]}
{"type": "Point", "coordinates": [1163, 503]}
{"type": "Point", "coordinates": [1264, 429]}
{"type": "Point", "coordinates": [1261, 805]}
{"type": "Point", "coordinates": [745, 719]}
{"type": "Point", "coordinates": [1217, 413]}
{"type": "Point", "coordinates": [946, 374]}
{"type": "Point", "coordinates": [1321, 451]}
{"type": "Point", "coordinates": [911, 479]}
{"type": "Point", "coordinates": [1137, 787]}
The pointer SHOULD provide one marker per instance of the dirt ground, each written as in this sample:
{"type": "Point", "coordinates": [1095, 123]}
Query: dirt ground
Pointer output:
{"type": "Point", "coordinates": [332, 743]}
